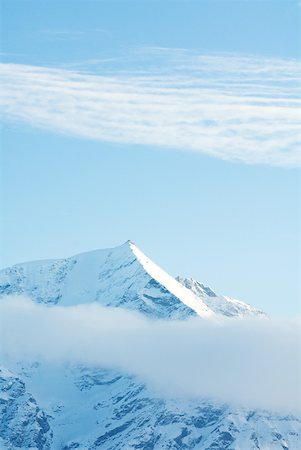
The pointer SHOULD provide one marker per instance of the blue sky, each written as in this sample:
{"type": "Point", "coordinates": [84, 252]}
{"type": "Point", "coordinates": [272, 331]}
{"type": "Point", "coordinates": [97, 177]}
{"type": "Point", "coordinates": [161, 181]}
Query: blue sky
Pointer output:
{"type": "Point", "coordinates": [171, 123]}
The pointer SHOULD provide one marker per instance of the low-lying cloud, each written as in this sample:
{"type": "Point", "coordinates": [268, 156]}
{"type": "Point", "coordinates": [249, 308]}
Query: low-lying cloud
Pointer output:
{"type": "Point", "coordinates": [249, 362]}
{"type": "Point", "coordinates": [232, 107]}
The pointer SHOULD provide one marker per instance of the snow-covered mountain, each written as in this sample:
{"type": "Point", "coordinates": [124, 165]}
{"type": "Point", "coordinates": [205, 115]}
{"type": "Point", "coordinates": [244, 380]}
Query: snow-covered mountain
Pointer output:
{"type": "Point", "coordinates": [64, 407]}
{"type": "Point", "coordinates": [119, 277]}
{"type": "Point", "coordinates": [219, 304]}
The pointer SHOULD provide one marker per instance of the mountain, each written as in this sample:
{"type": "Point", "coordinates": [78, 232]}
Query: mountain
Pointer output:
{"type": "Point", "coordinates": [47, 406]}
{"type": "Point", "coordinates": [120, 277]}
{"type": "Point", "coordinates": [219, 304]}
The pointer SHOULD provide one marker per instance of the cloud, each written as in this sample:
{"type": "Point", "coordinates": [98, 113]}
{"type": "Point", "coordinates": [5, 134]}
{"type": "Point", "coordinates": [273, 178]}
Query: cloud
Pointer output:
{"type": "Point", "coordinates": [237, 108]}
{"type": "Point", "coordinates": [255, 362]}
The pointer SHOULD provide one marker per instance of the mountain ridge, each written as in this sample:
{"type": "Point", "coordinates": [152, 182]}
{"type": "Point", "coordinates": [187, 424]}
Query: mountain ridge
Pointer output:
{"type": "Point", "coordinates": [120, 276]}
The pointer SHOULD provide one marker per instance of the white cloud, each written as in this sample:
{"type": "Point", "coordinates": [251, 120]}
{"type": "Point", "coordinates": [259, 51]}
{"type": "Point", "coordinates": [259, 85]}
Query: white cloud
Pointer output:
{"type": "Point", "coordinates": [236, 108]}
{"type": "Point", "coordinates": [255, 362]}
{"type": "Point", "coordinates": [243, 109]}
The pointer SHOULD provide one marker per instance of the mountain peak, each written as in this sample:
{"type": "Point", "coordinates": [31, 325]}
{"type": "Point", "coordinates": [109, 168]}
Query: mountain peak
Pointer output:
{"type": "Point", "coordinates": [117, 277]}
{"type": "Point", "coordinates": [129, 242]}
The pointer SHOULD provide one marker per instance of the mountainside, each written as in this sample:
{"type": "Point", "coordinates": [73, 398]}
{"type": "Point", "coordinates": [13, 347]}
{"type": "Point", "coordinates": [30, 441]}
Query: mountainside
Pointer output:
{"type": "Point", "coordinates": [62, 407]}
{"type": "Point", "coordinates": [23, 424]}
{"type": "Point", "coordinates": [92, 408]}
{"type": "Point", "coordinates": [219, 304]}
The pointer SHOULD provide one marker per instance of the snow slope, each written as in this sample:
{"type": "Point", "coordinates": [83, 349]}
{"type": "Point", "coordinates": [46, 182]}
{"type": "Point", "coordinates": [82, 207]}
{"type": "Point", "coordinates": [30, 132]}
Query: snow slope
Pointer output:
{"type": "Point", "coordinates": [219, 304]}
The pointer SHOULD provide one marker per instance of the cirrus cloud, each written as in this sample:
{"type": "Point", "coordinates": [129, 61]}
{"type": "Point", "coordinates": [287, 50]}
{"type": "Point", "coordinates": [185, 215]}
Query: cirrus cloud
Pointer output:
{"type": "Point", "coordinates": [236, 108]}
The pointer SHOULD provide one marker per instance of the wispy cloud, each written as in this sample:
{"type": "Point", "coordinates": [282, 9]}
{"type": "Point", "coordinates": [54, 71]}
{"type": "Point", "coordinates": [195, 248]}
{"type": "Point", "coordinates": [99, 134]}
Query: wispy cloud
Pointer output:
{"type": "Point", "coordinates": [236, 108]}
{"type": "Point", "coordinates": [251, 362]}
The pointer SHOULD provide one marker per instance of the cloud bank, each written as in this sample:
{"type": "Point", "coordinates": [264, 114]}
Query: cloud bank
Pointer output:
{"type": "Point", "coordinates": [235, 108]}
{"type": "Point", "coordinates": [254, 362]}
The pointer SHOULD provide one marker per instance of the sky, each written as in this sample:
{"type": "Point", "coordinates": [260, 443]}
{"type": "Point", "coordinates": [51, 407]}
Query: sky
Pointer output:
{"type": "Point", "coordinates": [175, 124]}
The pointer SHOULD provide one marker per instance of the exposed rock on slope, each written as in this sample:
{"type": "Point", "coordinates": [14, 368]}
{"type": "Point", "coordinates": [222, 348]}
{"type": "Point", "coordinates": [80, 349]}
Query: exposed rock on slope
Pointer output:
{"type": "Point", "coordinates": [23, 424]}
{"type": "Point", "coordinates": [219, 304]}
